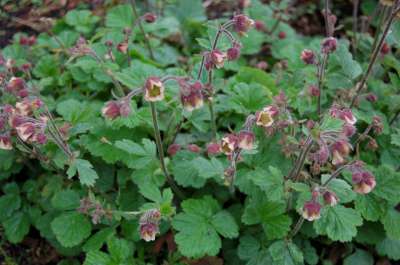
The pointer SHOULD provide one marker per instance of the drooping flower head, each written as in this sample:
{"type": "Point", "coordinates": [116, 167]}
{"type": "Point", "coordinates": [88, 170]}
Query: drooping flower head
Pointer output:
{"type": "Point", "coordinates": [265, 117]}
{"type": "Point", "coordinates": [149, 225]}
{"type": "Point", "coordinates": [154, 89]}
{"type": "Point", "coordinates": [363, 182]}
{"type": "Point", "coordinates": [229, 143]}
{"type": "Point", "coordinates": [329, 45]}
{"type": "Point", "coordinates": [246, 140]}
{"type": "Point", "coordinates": [308, 56]}
{"type": "Point", "coordinates": [242, 24]}
{"type": "Point", "coordinates": [330, 198]}
{"type": "Point", "coordinates": [5, 142]}
{"type": "Point", "coordinates": [191, 95]}
{"type": "Point", "coordinates": [311, 210]}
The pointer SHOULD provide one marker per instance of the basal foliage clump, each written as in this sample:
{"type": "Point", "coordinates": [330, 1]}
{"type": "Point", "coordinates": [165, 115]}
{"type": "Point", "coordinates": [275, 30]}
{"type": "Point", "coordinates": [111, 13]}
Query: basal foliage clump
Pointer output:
{"type": "Point", "coordinates": [158, 137]}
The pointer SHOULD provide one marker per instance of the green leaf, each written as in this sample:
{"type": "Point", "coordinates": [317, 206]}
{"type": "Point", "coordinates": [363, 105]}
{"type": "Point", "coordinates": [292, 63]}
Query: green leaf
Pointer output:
{"type": "Point", "coordinates": [391, 223]}
{"type": "Point", "coordinates": [341, 188]}
{"type": "Point", "coordinates": [8, 204]}
{"type": "Point", "coordinates": [360, 257]}
{"type": "Point", "coordinates": [76, 111]}
{"type": "Point", "coordinates": [82, 20]}
{"type": "Point", "coordinates": [142, 155]}
{"type": "Point", "coordinates": [209, 168]}
{"type": "Point", "coordinates": [65, 200]}
{"type": "Point", "coordinates": [285, 253]}
{"type": "Point", "coordinates": [120, 16]}
{"type": "Point", "coordinates": [225, 224]}
{"type": "Point", "coordinates": [253, 75]}
{"type": "Point", "coordinates": [96, 241]}
{"type": "Point", "coordinates": [269, 181]}
{"type": "Point", "coordinates": [16, 227]}
{"type": "Point", "coordinates": [389, 247]}
{"type": "Point", "coordinates": [371, 207]}
{"type": "Point", "coordinates": [119, 248]}
{"type": "Point", "coordinates": [250, 250]}
{"type": "Point", "coordinates": [338, 223]}
{"type": "Point", "coordinates": [87, 175]}
{"type": "Point", "coordinates": [71, 228]}
{"type": "Point", "coordinates": [185, 171]}
{"type": "Point", "coordinates": [198, 227]}
{"type": "Point", "coordinates": [387, 184]}
{"type": "Point", "coordinates": [395, 138]}
{"type": "Point", "coordinates": [97, 258]}
{"type": "Point", "coordinates": [332, 124]}
{"type": "Point", "coordinates": [271, 214]}
{"type": "Point", "coordinates": [344, 58]}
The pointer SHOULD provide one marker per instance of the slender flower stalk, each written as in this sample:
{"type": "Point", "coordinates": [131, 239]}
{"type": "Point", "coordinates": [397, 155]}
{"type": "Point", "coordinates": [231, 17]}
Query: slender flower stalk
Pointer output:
{"type": "Point", "coordinates": [364, 79]}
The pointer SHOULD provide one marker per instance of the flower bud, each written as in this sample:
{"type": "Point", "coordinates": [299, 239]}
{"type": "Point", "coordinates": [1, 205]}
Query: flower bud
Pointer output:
{"type": "Point", "coordinates": [111, 110]}
{"type": "Point", "coordinates": [349, 130]}
{"type": "Point", "coordinates": [313, 91]}
{"type": "Point", "coordinates": [263, 65]}
{"type": "Point", "coordinates": [194, 148]}
{"type": "Point", "coordinates": [310, 124]}
{"type": "Point", "coordinates": [213, 149]}
{"type": "Point", "coordinates": [242, 24]}
{"type": "Point", "coordinates": [125, 107]}
{"type": "Point", "coordinates": [123, 47]}
{"type": "Point", "coordinates": [150, 17]}
{"type": "Point", "coordinates": [329, 45]}
{"type": "Point", "coordinates": [264, 118]}
{"type": "Point", "coordinates": [330, 198]}
{"type": "Point", "coordinates": [229, 143]}
{"type": "Point", "coordinates": [23, 93]}
{"type": "Point", "coordinates": [173, 149]}
{"type": "Point", "coordinates": [371, 97]}
{"type": "Point", "coordinates": [234, 52]}
{"type": "Point", "coordinates": [311, 210]}
{"type": "Point", "coordinates": [149, 225]}
{"type": "Point", "coordinates": [36, 103]}
{"type": "Point", "coordinates": [322, 155]}
{"type": "Point", "coordinates": [153, 89]}
{"type": "Point", "coordinates": [246, 140]}
{"type": "Point", "coordinates": [363, 182]}
{"type": "Point", "coordinates": [385, 49]}
{"type": "Point", "coordinates": [377, 125]}
{"type": "Point", "coordinates": [372, 144]}
{"type": "Point", "coordinates": [5, 142]}
{"type": "Point", "coordinates": [109, 43]}
{"type": "Point", "coordinates": [259, 25]}
{"type": "Point", "coordinates": [282, 35]}
{"type": "Point", "coordinates": [308, 56]}
{"type": "Point", "coordinates": [347, 116]}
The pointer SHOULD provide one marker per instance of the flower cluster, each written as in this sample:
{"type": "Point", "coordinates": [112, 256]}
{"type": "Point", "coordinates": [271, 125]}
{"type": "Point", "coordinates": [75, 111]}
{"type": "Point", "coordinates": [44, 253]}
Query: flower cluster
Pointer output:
{"type": "Point", "coordinates": [312, 209]}
{"type": "Point", "coordinates": [149, 224]}
{"type": "Point", "coordinates": [363, 180]}
{"type": "Point", "coordinates": [94, 209]}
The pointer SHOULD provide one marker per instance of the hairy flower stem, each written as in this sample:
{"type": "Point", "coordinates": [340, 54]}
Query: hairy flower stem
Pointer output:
{"type": "Point", "coordinates": [297, 227]}
{"type": "Point", "coordinates": [160, 150]}
{"type": "Point", "coordinates": [294, 173]}
{"type": "Point", "coordinates": [355, 25]}
{"type": "Point", "coordinates": [396, 115]}
{"type": "Point", "coordinates": [139, 23]}
{"type": "Point", "coordinates": [376, 52]}
{"type": "Point", "coordinates": [321, 74]}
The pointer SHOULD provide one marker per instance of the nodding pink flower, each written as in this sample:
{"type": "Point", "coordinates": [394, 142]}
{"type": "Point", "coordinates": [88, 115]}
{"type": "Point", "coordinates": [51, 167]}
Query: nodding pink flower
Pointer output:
{"type": "Point", "coordinates": [371, 97]}
{"type": "Point", "coordinates": [349, 130]}
{"type": "Point", "coordinates": [191, 95]}
{"type": "Point", "coordinates": [150, 17]}
{"type": "Point", "coordinates": [363, 182]}
{"type": "Point", "coordinates": [36, 103]}
{"type": "Point", "coordinates": [125, 107]}
{"type": "Point", "coordinates": [109, 43]}
{"type": "Point", "coordinates": [259, 25]}
{"type": "Point", "coordinates": [246, 140]}
{"type": "Point", "coordinates": [313, 91]}
{"type": "Point", "coordinates": [229, 143]}
{"type": "Point", "coordinates": [347, 116]}
{"type": "Point", "coordinates": [330, 198]}
{"type": "Point", "coordinates": [194, 148]}
{"type": "Point", "coordinates": [28, 41]}
{"type": "Point", "coordinates": [173, 149]}
{"type": "Point", "coordinates": [282, 35]}
{"type": "Point", "coordinates": [322, 155]}
{"type": "Point", "coordinates": [149, 224]}
{"type": "Point", "coordinates": [308, 56]}
{"type": "Point", "coordinates": [234, 52]}
{"type": "Point", "coordinates": [5, 142]}
{"type": "Point", "coordinates": [111, 110]}
{"type": "Point", "coordinates": [385, 48]}
{"type": "Point", "coordinates": [329, 45]}
{"type": "Point", "coordinates": [340, 150]}
{"type": "Point", "coordinates": [213, 149]}
{"type": "Point", "coordinates": [123, 47]}
{"type": "Point", "coordinates": [26, 67]}
{"type": "Point", "coordinates": [23, 93]}
{"type": "Point", "coordinates": [26, 131]}
{"type": "Point", "coordinates": [154, 89]}
{"type": "Point", "coordinates": [24, 107]}
{"type": "Point", "coordinates": [15, 84]}
{"type": "Point", "coordinates": [242, 24]}
{"type": "Point", "coordinates": [214, 59]}
{"type": "Point", "coordinates": [311, 210]}
{"type": "Point", "coordinates": [265, 118]}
